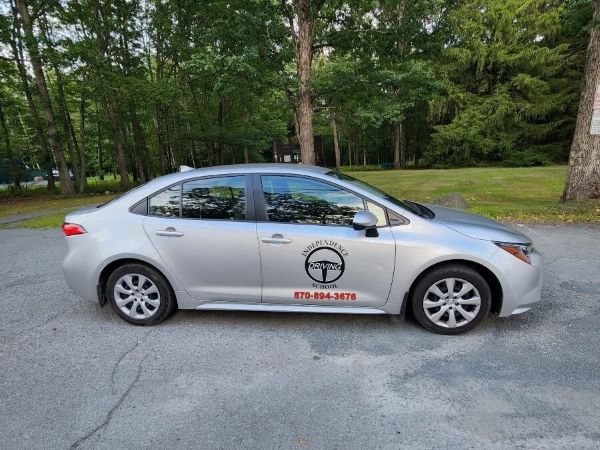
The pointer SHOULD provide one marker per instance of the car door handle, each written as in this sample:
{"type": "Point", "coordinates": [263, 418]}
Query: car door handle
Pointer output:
{"type": "Point", "coordinates": [169, 231]}
{"type": "Point", "coordinates": [275, 239]}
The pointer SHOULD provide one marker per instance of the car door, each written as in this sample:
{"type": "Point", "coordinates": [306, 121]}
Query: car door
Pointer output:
{"type": "Point", "coordinates": [204, 231]}
{"type": "Point", "coordinates": [310, 254]}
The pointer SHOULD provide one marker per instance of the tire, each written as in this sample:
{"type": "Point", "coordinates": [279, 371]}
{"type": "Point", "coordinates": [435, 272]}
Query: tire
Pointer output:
{"type": "Point", "coordinates": [147, 304]}
{"type": "Point", "coordinates": [434, 311]}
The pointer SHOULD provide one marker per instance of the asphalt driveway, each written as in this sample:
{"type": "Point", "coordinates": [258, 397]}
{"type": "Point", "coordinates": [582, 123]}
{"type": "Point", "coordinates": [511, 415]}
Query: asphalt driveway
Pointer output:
{"type": "Point", "coordinates": [75, 375]}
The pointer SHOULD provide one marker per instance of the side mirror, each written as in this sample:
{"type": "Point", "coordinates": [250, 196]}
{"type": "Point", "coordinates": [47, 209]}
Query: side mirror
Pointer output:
{"type": "Point", "coordinates": [365, 220]}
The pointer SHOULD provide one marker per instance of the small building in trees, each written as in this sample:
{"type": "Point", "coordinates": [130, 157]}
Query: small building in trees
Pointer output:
{"type": "Point", "coordinates": [289, 152]}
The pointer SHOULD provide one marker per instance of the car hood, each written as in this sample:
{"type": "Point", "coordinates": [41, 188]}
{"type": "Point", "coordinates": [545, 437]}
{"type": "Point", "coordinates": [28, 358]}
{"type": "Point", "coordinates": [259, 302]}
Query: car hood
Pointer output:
{"type": "Point", "coordinates": [475, 226]}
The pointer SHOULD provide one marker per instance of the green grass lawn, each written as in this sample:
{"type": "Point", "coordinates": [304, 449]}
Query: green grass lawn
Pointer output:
{"type": "Point", "coordinates": [26, 205]}
{"type": "Point", "coordinates": [529, 194]}
{"type": "Point", "coordinates": [508, 194]}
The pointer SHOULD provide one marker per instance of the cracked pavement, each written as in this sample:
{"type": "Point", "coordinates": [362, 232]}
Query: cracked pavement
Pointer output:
{"type": "Point", "coordinates": [73, 375]}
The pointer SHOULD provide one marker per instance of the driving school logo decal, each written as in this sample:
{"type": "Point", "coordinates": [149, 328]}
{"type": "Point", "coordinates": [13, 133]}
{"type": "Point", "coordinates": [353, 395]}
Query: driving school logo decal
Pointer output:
{"type": "Point", "coordinates": [324, 263]}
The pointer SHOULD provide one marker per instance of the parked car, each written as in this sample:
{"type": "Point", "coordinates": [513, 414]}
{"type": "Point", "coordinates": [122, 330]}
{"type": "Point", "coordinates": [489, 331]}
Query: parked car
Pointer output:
{"type": "Point", "coordinates": [299, 239]}
{"type": "Point", "coordinates": [56, 175]}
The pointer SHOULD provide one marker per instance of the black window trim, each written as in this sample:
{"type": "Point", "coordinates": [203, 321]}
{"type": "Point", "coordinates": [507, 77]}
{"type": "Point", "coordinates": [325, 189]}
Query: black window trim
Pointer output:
{"type": "Point", "coordinates": [261, 210]}
{"type": "Point", "coordinates": [249, 198]}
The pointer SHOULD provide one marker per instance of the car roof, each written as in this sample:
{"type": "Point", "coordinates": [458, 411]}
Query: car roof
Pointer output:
{"type": "Point", "coordinates": [258, 168]}
{"type": "Point", "coordinates": [189, 173]}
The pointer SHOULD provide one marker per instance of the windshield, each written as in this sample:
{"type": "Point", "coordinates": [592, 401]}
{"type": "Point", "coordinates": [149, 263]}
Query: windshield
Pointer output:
{"type": "Point", "coordinates": [413, 207]}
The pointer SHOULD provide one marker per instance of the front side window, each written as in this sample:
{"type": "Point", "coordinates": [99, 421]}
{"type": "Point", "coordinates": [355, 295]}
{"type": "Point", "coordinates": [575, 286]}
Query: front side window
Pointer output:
{"type": "Point", "coordinates": [166, 203]}
{"type": "Point", "coordinates": [302, 200]}
{"type": "Point", "coordinates": [221, 198]}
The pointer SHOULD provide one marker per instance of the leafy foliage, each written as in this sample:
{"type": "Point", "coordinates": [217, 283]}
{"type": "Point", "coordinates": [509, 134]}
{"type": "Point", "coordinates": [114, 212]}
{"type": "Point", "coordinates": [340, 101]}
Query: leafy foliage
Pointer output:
{"type": "Point", "coordinates": [201, 83]}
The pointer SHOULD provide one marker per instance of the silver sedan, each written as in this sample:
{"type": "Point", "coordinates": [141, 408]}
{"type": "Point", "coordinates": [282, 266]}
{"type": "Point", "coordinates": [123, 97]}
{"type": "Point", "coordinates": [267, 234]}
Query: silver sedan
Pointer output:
{"type": "Point", "coordinates": [299, 239]}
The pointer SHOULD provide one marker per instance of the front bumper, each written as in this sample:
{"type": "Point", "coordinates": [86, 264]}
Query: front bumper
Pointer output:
{"type": "Point", "coordinates": [521, 282]}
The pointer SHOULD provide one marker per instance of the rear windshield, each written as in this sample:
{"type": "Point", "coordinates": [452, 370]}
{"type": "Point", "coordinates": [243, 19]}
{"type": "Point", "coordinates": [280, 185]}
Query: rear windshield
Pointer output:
{"type": "Point", "coordinates": [120, 195]}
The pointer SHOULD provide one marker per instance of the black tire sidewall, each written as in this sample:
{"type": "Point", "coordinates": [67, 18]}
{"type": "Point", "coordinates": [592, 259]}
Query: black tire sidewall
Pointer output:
{"type": "Point", "coordinates": [167, 302]}
{"type": "Point", "coordinates": [451, 271]}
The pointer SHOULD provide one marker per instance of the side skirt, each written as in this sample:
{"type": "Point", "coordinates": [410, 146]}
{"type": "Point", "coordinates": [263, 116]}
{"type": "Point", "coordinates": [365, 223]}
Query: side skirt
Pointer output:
{"type": "Point", "coordinates": [270, 307]}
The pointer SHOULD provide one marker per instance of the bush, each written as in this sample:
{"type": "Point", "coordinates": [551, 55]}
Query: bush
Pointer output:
{"type": "Point", "coordinates": [361, 168]}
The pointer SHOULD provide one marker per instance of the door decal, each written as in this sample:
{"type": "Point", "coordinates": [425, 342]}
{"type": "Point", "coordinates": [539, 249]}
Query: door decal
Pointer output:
{"type": "Point", "coordinates": [324, 263]}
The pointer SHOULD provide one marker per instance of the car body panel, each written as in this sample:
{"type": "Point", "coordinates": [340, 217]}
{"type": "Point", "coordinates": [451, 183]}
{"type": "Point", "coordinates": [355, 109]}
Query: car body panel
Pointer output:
{"type": "Point", "coordinates": [326, 261]}
{"type": "Point", "coordinates": [214, 259]}
{"type": "Point", "coordinates": [381, 270]}
{"type": "Point", "coordinates": [477, 227]}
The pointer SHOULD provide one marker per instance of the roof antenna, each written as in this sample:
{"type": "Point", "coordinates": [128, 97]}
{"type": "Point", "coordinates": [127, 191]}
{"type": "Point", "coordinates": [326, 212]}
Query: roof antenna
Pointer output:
{"type": "Point", "coordinates": [185, 168]}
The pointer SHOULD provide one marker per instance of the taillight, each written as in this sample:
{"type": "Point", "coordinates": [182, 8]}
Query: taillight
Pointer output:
{"type": "Point", "coordinates": [72, 229]}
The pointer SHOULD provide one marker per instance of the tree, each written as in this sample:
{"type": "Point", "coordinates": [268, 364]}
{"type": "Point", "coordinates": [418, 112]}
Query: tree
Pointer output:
{"type": "Point", "coordinates": [583, 176]}
{"type": "Point", "coordinates": [302, 18]}
{"type": "Point", "coordinates": [31, 42]}
{"type": "Point", "coordinates": [15, 40]}
{"type": "Point", "coordinates": [14, 169]}
{"type": "Point", "coordinates": [510, 84]}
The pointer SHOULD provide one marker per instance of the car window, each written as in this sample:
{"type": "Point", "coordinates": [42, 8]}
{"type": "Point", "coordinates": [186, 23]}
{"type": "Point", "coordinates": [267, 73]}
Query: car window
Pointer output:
{"type": "Point", "coordinates": [221, 198]}
{"type": "Point", "coordinates": [379, 213]}
{"type": "Point", "coordinates": [302, 200]}
{"type": "Point", "coordinates": [413, 207]}
{"type": "Point", "coordinates": [166, 203]}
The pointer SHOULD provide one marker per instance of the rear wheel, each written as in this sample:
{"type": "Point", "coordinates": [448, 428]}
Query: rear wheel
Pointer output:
{"type": "Point", "coordinates": [451, 299]}
{"type": "Point", "coordinates": [140, 294]}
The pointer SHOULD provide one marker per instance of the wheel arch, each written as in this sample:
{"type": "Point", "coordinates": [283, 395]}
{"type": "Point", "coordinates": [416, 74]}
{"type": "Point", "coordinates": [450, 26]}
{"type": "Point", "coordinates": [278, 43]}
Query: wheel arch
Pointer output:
{"type": "Point", "coordinates": [113, 265]}
{"type": "Point", "coordinates": [486, 273]}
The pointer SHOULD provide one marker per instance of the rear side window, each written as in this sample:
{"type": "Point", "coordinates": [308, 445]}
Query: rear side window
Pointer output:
{"type": "Point", "coordinates": [221, 198]}
{"type": "Point", "coordinates": [166, 203]}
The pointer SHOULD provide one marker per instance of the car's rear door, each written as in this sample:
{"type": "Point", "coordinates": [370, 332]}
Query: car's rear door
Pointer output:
{"type": "Point", "coordinates": [205, 232]}
{"type": "Point", "coordinates": [310, 254]}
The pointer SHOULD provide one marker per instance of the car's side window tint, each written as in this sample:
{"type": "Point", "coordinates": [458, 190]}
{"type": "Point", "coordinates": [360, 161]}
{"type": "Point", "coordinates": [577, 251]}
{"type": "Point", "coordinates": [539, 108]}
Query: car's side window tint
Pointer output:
{"type": "Point", "coordinates": [221, 198]}
{"type": "Point", "coordinates": [379, 213]}
{"type": "Point", "coordinates": [302, 200]}
{"type": "Point", "coordinates": [166, 203]}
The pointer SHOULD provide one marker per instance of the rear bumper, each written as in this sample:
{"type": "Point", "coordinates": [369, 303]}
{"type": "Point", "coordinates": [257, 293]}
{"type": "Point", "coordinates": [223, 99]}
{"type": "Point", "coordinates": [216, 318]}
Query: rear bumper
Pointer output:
{"type": "Point", "coordinates": [521, 282]}
{"type": "Point", "coordinates": [79, 267]}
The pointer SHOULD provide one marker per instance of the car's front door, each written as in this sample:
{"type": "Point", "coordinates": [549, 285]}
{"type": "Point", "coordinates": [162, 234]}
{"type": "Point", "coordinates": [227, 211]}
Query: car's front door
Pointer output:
{"type": "Point", "coordinates": [200, 229]}
{"type": "Point", "coordinates": [310, 254]}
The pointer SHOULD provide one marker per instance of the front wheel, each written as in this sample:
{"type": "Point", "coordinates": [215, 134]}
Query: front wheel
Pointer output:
{"type": "Point", "coordinates": [140, 295]}
{"type": "Point", "coordinates": [451, 299]}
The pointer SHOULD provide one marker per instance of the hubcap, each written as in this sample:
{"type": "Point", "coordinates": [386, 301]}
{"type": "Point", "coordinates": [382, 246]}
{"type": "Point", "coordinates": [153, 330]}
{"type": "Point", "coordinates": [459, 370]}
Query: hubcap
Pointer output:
{"type": "Point", "coordinates": [451, 302]}
{"type": "Point", "coordinates": [137, 296]}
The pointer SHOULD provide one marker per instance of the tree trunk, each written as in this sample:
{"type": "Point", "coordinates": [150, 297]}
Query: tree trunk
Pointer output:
{"type": "Point", "coordinates": [336, 144]}
{"type": "Point", "coordinates": [66, 186]}
{"type": "Point", "coordinates": [139, 142]}
{"type": "Point", "coordinates": [15, 169]}
{"type": "Point", "coordinates": [355, 147]}
{"type": "Point", "coordinates": [403, 146]}
{"type": "Point", "coordinates": [583, 176]}
{"type": "Point", "coordinates": [81, 174]}
{"type": "Point", "coordinates": [399, 145]}
{"type": "Point", "coordinates": [363, 148]}
{"type": "Point", "coordinates": [17, 50]}
{"type": "Point", "coordinates": [349, 153]}
{"type": "Point", "coordinates": [160, 138]}
{"type": "Point", "coordinates": [117, 138]}
{"type": "Point", "coordinates": [69, 131]}
{"type": "Point", "coordinates": [99, 147]}
{"type": "Point", "coordinates": [303, 68]}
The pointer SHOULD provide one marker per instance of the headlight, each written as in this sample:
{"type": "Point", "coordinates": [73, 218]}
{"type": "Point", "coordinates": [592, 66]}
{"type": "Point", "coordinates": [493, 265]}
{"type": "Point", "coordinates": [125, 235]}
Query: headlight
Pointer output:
{"type": "Point", "coordinates": [521, 251]}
